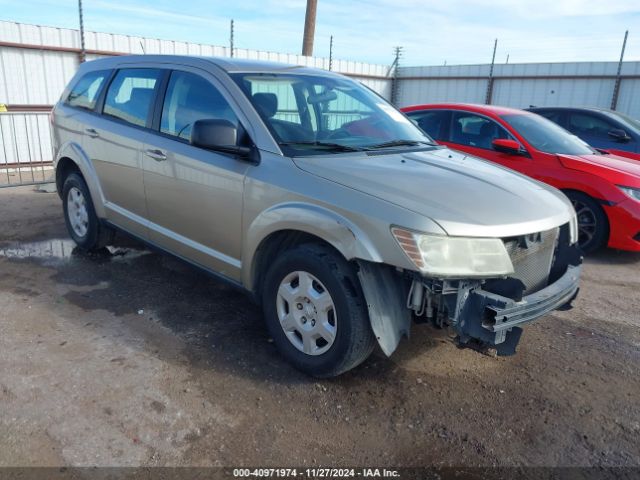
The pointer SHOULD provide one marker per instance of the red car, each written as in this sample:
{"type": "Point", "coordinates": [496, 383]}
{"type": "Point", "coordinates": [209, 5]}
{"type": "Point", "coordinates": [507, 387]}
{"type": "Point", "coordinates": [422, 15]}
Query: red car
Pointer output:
{"type": "Point", "coordinates": [604, 189]}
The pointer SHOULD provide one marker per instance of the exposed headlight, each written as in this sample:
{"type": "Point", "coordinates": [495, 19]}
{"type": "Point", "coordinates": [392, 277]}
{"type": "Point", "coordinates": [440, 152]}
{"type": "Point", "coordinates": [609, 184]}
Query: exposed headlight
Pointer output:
{"type": "Point", "coordinates": [459, 257]}
{"type": "Point", "coordinates": [573, 229]}
{"type": "Point", "coordinates": [631, 192]}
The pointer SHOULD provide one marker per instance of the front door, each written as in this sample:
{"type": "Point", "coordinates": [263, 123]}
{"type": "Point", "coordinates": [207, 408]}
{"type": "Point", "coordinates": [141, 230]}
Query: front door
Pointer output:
{"type": "Point", "coordinates": [474, 134]}
{"type": "Point", "coordinates": [194, 196]}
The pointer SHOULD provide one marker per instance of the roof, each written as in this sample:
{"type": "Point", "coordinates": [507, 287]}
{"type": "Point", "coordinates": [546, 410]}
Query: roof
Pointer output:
{"type": "Point", "coordinates": [229, 65]}
{"type": "Point", "coordinates": [592, 109]}
{"type": "Point", "coordinates": [473, 107]}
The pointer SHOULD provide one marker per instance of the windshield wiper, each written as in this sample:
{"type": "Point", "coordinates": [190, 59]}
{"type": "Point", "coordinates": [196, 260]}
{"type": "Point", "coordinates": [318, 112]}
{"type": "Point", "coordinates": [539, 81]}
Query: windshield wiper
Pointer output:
{"type": "Point", "coordinates": [400, 143]}
{"type": "Point", "coordinates": [332, 146]}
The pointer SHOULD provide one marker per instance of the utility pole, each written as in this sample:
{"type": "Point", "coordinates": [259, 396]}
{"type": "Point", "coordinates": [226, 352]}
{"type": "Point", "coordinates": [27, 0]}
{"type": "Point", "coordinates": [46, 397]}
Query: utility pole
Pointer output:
{"type": "Point", "coordinates": [616, 87]}
{"type": "Point", "coordinates": [231, 40]}
{"type": "Point", "coordinates": [83, 51]}
{"type": "Point", "coordinates": [309, 28]}
{"type": "Point", "coordinates": [330, 52]}
{"type": "Point", "coordinates": [490, 79]}
{"type": "Point", "coordinates": [395, 84]}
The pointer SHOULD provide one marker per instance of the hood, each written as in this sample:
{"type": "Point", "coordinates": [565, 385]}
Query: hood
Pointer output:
{"type": "Point", "coordinates": [466, 196]}
{"type": "Point", "coordinates": [616, 169]}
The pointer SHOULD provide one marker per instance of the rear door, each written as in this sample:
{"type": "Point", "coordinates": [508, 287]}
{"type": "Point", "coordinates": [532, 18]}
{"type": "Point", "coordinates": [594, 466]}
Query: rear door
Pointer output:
{"type": "Point", "coordinates": [474, 134]}
{"type": "Point", "coordinates": [434, 123]}
{"type": "Point", "coordinates": [194, 196]}
{"type": "Point", "coordinates": [113, 140]}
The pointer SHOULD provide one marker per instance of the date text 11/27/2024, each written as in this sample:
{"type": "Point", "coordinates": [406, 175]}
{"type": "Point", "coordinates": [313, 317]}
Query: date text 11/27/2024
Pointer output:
{"type": "Point", "coordinates": [315, 473]}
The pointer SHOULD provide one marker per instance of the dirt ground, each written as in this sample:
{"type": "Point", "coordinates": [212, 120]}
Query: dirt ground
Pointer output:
{"type": "Point", "coordinates": [133, 358]}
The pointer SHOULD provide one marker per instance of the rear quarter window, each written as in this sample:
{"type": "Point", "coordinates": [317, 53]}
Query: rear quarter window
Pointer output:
{"type": "Point", "coordinates": [84, 93]}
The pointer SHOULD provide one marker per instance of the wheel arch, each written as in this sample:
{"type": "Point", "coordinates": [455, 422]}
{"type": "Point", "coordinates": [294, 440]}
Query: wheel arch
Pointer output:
{"type": "Point", "coordinates": [284, 226]}
{"type": "Point", "coordinates": [71, 157]}
{"type": "Point", "coordinates": [600, 202]}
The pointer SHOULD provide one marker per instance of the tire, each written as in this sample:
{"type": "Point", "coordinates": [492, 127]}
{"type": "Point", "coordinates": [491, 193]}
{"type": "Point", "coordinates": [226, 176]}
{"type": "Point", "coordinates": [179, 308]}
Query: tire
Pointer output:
{"type": "Point", "coordinates": [324, 272]}
{"type": "Point", "coordinates": [83, 224]}
{"type": "Point", "coordinates": [593, 225]}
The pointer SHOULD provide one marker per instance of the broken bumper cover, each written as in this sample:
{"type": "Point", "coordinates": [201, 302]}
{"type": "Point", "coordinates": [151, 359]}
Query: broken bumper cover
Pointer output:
{"type": "Point", "coordinates": [494, 319]}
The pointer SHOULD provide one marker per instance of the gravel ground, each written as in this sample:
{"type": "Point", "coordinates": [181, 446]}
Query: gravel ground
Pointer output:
{"type": "Point", "coordinates": [132, 358]}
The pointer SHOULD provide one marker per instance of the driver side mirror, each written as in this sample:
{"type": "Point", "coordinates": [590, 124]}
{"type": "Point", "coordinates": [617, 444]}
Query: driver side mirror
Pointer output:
{"type": "Point", "coordinates": [619, 135]}
{"type": "Point", "coordinates": [506, 145]}
{"type": "Point", "coordinates": [218, 135]}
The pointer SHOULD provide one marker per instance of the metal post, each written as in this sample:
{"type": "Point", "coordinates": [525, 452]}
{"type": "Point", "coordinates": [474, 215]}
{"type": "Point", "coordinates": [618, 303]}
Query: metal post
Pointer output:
{"type": "Point", "coordinates": [395, 84]}
{"type": "Point", "coordinates": [309, 28]}
{"type": "Point", "coordinates": [616, 87]}
{"type": "Point", "coordinates": [490, 79]}
{"type": "Point", "coordinates": [83, 52]}
{"type": "Point", "coordinates": [231, 39]}
{"type": "Point", "coordinates": [331, 52]}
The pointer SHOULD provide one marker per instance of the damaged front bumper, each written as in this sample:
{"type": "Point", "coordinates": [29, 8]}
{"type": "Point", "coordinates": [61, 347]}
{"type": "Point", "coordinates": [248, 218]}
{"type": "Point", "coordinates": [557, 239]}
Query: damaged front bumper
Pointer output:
{"type": "Point", "coordinates": [495, 319]}
{"type": "Point", "coordinates": [483, 313]}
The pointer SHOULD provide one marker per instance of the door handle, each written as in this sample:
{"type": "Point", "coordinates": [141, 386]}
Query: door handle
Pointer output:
{"type": "Point", "coordinates": [157, 155]}
{"type": "Point", "coordinates": [92, 132]}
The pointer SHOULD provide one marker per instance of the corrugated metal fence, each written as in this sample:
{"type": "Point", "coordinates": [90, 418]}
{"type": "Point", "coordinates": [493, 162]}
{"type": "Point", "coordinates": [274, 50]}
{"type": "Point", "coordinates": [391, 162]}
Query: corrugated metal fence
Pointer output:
{"type": "Point", "coordinates": [36, 63]}
{"type": "Point", "coordinates": [522, 85]}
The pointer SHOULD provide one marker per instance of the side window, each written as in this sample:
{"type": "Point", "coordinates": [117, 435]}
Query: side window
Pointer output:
{"type": "Point", "coordinates": [433, 122]}
{"type": "Point", "coordinates": [131, 95]}
{"type": "Point", "coordinates": [583, 124]}
{"type": "Point", "coordinates": [475, 130]}
{"type": "Point", "coordinates": [552, 115]}
{"type": "Point", "coordinates": [85, 92]}
{"type": "Point", "coordinates": [189, 98]}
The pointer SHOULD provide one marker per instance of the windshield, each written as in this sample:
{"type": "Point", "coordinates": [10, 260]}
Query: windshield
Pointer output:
{"type": "Point", "coordinates": [314, 114]}
{"type": "Point", "coordinates": [546, 136]}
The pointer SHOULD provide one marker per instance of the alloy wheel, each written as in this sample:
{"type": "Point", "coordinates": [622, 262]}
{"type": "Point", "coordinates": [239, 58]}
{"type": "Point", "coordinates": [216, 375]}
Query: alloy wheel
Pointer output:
{"type": "Point", "coordinates": [587, 222]}
{"type": "Point", "coordinates": [307, 313]}
{"type": "Point", "coordinates": [77, 212]}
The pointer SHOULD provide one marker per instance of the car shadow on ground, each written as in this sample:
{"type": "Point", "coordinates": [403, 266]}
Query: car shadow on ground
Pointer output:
{"type": "Point", "coordinates": [607, 256]}
{"type": "Point", "coordinates": [220, 325]}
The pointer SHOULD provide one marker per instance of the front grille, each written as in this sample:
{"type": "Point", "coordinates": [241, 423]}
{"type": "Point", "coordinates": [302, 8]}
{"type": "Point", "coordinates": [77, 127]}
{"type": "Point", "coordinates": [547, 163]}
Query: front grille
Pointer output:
{"type": "Point", "coordinates": [532, 256]}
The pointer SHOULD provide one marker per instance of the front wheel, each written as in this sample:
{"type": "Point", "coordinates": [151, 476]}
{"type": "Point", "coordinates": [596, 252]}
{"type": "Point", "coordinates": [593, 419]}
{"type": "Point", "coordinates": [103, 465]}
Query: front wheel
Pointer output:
{"type": "Point", "coordinates": [316, 312]}
{"type": "Point", "coordinates": [593, 226]}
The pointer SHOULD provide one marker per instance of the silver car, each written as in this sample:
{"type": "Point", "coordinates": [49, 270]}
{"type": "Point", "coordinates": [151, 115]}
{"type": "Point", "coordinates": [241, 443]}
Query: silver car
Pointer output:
{"type": "Point", "coordinates": [314, 195]}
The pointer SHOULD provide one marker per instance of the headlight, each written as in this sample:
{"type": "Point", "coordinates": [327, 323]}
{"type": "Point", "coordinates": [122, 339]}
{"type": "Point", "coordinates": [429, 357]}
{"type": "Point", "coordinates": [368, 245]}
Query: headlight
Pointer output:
{"type": "Point", "coordinates": [460, 257]}
{"type": "Point", "coordinates": [631, 192]}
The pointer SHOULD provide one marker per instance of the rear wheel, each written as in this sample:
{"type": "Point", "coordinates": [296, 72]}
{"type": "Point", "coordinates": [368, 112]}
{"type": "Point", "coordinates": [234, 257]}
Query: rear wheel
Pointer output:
{"type": "Point", "coordinates": [80, 216]}
{"type": "Point", "coordinates": [593, 226]}
{"type": "Point", "coordinates": [315, 311]}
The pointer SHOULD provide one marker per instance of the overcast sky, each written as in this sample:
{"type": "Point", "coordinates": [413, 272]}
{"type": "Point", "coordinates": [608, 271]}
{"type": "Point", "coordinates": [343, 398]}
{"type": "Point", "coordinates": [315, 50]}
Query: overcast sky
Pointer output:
{"type": "Point", "coordinates": [431, 32]}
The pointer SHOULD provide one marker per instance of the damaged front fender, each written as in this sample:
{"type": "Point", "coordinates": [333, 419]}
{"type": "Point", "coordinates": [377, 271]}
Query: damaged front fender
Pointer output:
{"type": "Point", "coordinates": [385, 296]}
